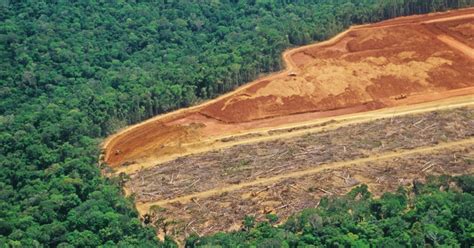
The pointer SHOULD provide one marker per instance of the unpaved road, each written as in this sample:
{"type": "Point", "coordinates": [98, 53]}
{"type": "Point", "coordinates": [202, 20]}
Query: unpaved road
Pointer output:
{"type": "Point", "coordinates": [215, 143]}
{"type": "Point", "coordinates": [452, 42]}
{"type": "Point", "coordinates": [190, 131]}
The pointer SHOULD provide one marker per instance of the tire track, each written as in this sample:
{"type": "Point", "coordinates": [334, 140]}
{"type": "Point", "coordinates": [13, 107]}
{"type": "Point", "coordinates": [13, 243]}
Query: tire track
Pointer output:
{"type": "Point", "coordinates": [454, 43]}
{"type": "Point", "coordinates": [450, 41]}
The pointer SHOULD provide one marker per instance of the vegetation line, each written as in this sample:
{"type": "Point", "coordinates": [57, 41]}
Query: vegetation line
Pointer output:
{"type": "Point", "coordinates": [289, 66]}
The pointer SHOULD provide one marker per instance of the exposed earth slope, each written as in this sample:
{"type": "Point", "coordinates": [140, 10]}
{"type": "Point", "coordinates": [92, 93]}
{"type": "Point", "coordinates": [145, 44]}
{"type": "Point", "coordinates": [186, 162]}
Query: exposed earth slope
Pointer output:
{"type": "Point", "coordinates": [382, 104]}
{"type": "Point", "coordinates": [394, 63]}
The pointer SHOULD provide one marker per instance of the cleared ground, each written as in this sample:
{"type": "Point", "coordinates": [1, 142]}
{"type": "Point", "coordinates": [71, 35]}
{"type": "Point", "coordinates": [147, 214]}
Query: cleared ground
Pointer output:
{"type": "Point", "coordinates": [249, 162]}
{"type": "Point", "coordinates": [225, 211]}
{"type": "Point", "coordinates": [213, 191]}
{"type": "Point", "coordinates": [381, 104]}
{"type": "Point", "coordinates": [394, 63]}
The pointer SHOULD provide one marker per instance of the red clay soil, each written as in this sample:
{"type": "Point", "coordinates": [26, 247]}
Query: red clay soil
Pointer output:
{"type": "Point", "coordinates": [462, 30]}
{"type": "Point", "coordinates": [401, 61]}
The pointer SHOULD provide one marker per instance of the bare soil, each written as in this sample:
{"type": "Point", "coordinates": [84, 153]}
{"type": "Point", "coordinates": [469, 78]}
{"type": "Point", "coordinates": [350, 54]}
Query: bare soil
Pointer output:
{"type": "Point", "coordinates": [213, 191]}
{"type": "Point", "coordinates": [389, 64]}
{"type": "Point", "coordinates": [462, 30]}
{"type": "Point", "coordinates": [242, 163]}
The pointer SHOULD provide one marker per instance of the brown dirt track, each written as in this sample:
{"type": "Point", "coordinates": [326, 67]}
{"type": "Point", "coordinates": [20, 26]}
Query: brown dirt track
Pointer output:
{"type": "Point", "coordinates": [424, 58]}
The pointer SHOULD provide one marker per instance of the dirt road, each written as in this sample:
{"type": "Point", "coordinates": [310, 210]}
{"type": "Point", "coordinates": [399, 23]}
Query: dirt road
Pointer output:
{"type": "Point", "coordinates": [328, 123]}
{"type": "Point", "coordinates": [457, 45]}
{"type": "Point", "coordinates": [389, 78]}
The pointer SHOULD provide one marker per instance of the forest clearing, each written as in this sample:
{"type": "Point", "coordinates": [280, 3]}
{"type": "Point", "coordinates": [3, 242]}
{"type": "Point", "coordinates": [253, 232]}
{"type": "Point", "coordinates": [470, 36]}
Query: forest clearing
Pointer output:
{"type": "Point", "coordinates": [242, 123]}
{"type": "Point", "coordinates": [398, 108]}
{"type": "Point", "coordinates": [368, 67]}
{"type": "Point", "coordinates": [213, 191]}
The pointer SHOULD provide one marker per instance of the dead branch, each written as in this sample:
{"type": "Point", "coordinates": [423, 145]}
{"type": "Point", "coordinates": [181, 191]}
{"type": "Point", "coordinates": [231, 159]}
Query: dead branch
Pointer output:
{"type": "Point", "coordinates": [325, 191]}
{"type": "Point", "coordinates": [429, 165]}
{"type": "Point", "coordinates": [195, 201]}
{"type": "Point", "coordinates": [283, 206]}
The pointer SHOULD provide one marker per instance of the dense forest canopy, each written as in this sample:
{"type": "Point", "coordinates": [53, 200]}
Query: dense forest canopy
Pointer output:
{"type": "Point", "coordinates": [437, 214]}
{"type": "Point", "coordinates": [72, 72]}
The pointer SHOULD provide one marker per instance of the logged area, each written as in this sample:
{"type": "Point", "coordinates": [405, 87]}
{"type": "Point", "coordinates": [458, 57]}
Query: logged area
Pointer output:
{"type": "Point", "coordinates": [214, 191]}
{"type": "Point", "coordinates": [289, 126]}
{"type": "Point", "coordinates": [385, 65]}
{"type": "Point", "coordinates": [383, 104]}
{"type": "Point", "coordinates": [240, 163]}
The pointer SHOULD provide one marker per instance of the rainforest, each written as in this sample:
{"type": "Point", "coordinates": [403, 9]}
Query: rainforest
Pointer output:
{"type": "Point", "coordinates": [74, 72]}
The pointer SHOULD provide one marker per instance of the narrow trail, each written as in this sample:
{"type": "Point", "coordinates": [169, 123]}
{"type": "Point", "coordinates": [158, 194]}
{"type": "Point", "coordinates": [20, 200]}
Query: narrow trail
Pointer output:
{"type": "Point", "coordinates": [449, 40]}
{"type": "Point", "coordinates": [144, 207]}
{"type": "Point", "coordinates": [454, 43]}
{"type": "Point", "coordinates": [452, 18]}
